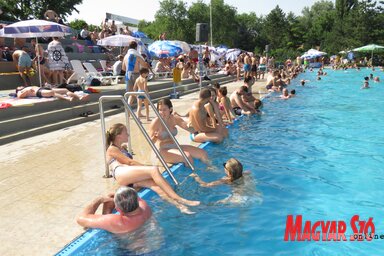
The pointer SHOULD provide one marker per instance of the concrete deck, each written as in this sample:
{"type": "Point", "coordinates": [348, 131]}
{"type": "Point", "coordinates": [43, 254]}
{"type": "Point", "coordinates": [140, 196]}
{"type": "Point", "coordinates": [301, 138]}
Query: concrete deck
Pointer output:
{"type": "Point", "coordinates": [46, 180]}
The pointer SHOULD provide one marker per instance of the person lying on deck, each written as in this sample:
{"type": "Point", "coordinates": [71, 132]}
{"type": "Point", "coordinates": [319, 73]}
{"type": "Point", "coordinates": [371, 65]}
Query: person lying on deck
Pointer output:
{"type": "Point", "coordinates": [134, 212]}
{"type": "Point", "coordinates": [43, 92]}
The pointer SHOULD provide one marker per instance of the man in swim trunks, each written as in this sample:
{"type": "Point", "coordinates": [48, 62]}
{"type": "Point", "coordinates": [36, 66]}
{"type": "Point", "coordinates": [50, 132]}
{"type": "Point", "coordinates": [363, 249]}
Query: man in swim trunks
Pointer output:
{"type": "Point", "coordinates": [23, 63]}
{"type": "Point", "coordinates": [238, 105]}
{"type": "Point", "coordinates": [262, 67]}
{"type": "Point", "coordinates": [132, 63]}
{"type": "Point", "coordinates": [247, 65]}
{"type": "Point", "coordinates": [198, 118]}
{"type": "Point", "coordinates": [134, 212]}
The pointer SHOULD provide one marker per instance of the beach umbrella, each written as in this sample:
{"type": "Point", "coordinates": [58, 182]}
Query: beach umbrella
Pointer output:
{"type": "Point", "coordinates": [183, 45]}
{"type": "Point", "coordinates": [139, 34]}
{"type": "Point", "coordinates": [117, 40]}
{"type": "Point", "coordinates": [312, 53]}
{"type": "Point", "coordinates": [141, 48]}
{"type": "Point", "coordinates": [35, 29]}
{"type": "Point", "coordinates": [369, 48]}
{"type": "Point", "coordinates": [232, 54]}
{"type": "Point", "coordinates": [164, 49]}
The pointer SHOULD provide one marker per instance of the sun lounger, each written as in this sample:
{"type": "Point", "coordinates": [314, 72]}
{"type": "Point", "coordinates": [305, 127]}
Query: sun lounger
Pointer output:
{"type": "Point", "coordinates": [92, 70]}
{"type": "Point", "coordinates": [80, 74]}
{"type": "Point", "coordinates": [103, 64]}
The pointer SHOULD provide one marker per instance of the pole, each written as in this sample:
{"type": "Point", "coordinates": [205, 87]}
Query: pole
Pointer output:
{"type": "Point", "coordinates": [210, 10]}
{"type": "Point", "coordinates": [200, 66]}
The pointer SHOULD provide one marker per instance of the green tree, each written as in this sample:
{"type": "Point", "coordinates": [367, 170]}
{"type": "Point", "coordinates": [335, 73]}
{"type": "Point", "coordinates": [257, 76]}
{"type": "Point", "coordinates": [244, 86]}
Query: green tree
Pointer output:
{"type": "Point", "coordinates": [34, 9]}
{"type": "Point", "coordinates": [275, 28]}
{"type": "Point", "coordinates": [78, 24]}
{"type": "Point", "coordinates": [249, 27]}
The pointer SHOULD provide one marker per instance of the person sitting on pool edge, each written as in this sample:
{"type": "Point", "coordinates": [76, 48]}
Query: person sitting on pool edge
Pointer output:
{"type": "Point", "coordinates": [128, 172]}
{"type": "Point", "coordinates": [233, 171]}
{"type": "Point", "coordinates": [238, 105]}
{"type": "Point", "coordinates": [167, 147]}
{"type": "Point", "coordinates": [134, 212]}
{"type": "Point", "coordinates": [198, 119]}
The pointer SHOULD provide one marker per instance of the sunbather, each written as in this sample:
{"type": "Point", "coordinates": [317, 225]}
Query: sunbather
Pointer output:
{"type": "Point", "coordinates": [42, 92]}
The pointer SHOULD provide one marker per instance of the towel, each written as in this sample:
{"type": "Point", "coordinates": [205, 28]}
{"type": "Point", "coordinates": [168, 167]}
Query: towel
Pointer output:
{"type": "Point", "coordinates": [132, 57]}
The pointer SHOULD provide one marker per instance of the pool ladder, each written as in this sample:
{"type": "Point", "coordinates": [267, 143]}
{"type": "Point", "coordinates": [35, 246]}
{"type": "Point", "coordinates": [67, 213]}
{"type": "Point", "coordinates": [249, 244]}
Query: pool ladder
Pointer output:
{"type": "Point", "coordinates": [129, 112]}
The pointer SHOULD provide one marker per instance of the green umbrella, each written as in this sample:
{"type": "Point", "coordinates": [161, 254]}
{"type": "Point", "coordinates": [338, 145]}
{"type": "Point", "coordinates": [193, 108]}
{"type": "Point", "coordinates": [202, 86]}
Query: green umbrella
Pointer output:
{"type": "Point", "coordinates": [369, 48]}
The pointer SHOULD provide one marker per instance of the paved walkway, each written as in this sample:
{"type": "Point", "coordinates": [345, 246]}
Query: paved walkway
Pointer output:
{"type": "Point", "coordinates": [46, 180]}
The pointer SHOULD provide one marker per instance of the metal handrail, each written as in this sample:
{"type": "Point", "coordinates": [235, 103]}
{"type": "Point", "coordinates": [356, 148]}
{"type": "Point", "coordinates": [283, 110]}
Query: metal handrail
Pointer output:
{"type": "Point", "coordinates": [128, 109]}
{"type": "Point", "coordinates": [126, 96]}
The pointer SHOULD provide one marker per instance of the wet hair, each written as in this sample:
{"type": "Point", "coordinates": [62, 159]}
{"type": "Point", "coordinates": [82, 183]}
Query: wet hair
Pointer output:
{"type": "Point", "coordinates": [223, 91]}
{"type": "Point", "coordinates": [302, 82]}
{"type": "Point", "coordinates": [258, 104]}
{"type": "Point", "coordinates": [216, 85]}
{"type": "Point", "coordinates": [167, 102]}
{"type": "Point", "coordinates": [205, 94]}
{"type": "Point", "coordinates": [366, 78]}
{"type": "Point", "coordinates": [126, 199]}
{"type": "Point", "coordinates": [19, 88]}
{"type": "Point", "coordinates": [143, 71]}
{"type": "Point", "coordinates": [293, 91]}
{"type": "Point", "coordinates": [244, 88]}
{"type": "Point", "coordinates": [235, 168]}
{"type": "Point", "coordinates": [132, 45]}
{"type": "Point", "coordinates": [113, 131]}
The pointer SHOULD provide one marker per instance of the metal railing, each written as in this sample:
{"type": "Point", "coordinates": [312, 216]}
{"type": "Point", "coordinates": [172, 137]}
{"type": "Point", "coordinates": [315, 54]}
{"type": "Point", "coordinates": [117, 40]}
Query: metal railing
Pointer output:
{"type": "Point", "coordinates": [129, 111]}
{"type": "Point", "coordinates": [126, 96]}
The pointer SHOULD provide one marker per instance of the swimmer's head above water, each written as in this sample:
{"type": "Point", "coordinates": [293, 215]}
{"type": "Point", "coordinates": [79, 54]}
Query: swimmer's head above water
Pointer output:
{"type": "Point", "coordinates": [126, 200]}
{"type": "Point", "coordinates": [233, 168]}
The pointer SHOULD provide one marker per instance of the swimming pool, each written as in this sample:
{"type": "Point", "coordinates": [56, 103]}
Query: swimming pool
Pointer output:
{"type": "Point", "coordinates": [319, 155]}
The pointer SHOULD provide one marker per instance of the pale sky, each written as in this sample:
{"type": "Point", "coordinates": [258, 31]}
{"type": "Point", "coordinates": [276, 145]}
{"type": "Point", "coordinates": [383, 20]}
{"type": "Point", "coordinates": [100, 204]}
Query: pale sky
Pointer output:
{"type": "Point", "coordinates": [93, 11]}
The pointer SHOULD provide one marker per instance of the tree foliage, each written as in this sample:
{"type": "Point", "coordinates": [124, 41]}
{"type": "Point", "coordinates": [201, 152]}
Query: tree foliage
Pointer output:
{"type": "Point", "coordinates": [327, 25]}
{"type": "Point", "coordinates": [14, 10]}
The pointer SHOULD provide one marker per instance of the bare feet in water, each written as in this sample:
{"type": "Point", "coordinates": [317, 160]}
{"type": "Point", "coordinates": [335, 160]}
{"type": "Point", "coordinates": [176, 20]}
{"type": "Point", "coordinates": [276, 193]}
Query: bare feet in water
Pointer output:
{"type": "Point", "coordinates": [188, 202]}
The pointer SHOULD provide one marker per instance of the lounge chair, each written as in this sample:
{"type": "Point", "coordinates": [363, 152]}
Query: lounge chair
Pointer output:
{"type": "Point", "coordinates": [93, 71]}
{"type": "Point", "coordinates": [81, 75]}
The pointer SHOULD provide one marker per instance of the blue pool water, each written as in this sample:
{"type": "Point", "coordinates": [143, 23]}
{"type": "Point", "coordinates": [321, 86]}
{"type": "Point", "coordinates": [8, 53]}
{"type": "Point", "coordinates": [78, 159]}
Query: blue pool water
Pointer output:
{"type": "Point", "coordinates": [319, 155]}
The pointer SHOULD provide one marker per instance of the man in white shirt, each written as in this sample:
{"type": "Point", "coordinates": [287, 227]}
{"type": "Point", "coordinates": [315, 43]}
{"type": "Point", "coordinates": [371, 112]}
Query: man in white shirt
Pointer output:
{"type": "Point", "coordinates": [117, 67]}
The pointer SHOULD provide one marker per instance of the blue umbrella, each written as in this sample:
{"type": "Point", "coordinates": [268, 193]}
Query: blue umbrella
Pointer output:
{"type": "Point", "coordinates": [139, 34]}
{"type": "Point", "coordinates": [164, 49]}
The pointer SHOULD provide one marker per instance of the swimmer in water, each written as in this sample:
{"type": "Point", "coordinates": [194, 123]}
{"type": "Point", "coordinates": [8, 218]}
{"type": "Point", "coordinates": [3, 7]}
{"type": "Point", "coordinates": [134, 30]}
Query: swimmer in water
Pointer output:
{"type": "Point", "coordinates": [233, 171]}
{"type": "Point", "coordinates": [366, 83]}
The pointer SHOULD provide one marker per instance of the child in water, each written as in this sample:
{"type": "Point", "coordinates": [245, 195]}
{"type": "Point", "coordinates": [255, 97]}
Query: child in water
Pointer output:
{"type": "Point", "coordinates": [233, 170]}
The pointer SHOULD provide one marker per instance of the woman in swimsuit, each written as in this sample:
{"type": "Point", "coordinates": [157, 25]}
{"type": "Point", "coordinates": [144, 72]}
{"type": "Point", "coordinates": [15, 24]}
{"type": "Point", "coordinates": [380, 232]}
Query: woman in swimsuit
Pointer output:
{"type": "Point", "coordinates": [168, 148]}
{"type": "Point", "coordinates": [127, 171]}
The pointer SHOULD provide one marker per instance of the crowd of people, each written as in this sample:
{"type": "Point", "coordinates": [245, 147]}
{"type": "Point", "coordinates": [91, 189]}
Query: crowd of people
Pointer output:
{"type": "Point", "coordinates": [206, 121]}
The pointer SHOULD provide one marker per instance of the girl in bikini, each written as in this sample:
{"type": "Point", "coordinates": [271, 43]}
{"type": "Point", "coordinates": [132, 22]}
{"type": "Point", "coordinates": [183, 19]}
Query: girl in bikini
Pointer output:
{"type": "Point", "coordinates": [168, 148]}
{"type": "Point", "coordinates": [127, 171]}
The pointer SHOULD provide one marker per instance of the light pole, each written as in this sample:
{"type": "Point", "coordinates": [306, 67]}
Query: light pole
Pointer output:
{"type": "Point", "coordinates": [210, 19]}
